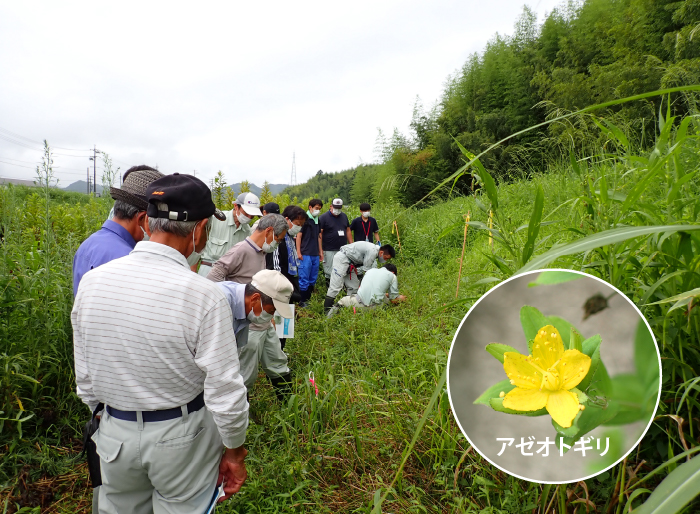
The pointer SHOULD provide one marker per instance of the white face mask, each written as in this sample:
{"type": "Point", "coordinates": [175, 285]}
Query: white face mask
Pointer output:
{"type": "Point", "coordinates": [365, 214]}
{"type": "Point", "coordinates": [336, 211]}
{"type": "Point", "coordinates": [264, 317]}
{"type": "Point", "coordinates": [146, 237]}
{"type": "Point", "coordinates": [270, 247]}
{"type": "Point", "coordinates": [195, 255]}
{"type": "Point", "coordinates": [294, 230]}
{"type": "Point", "coordinates": [381, 259]}
{"type": "Point", "coordinates": [315, 212]}
{"type": "Point", "coordinates": [243, 219]}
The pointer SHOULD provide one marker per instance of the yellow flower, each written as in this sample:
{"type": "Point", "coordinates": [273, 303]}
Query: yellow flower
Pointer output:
{"type": "Point", "coordinates": [545, 378]}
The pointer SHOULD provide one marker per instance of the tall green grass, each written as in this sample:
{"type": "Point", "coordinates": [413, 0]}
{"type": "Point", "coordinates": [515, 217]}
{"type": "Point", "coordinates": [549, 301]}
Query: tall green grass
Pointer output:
{"type": "Point", "coordinates": [369, 441]}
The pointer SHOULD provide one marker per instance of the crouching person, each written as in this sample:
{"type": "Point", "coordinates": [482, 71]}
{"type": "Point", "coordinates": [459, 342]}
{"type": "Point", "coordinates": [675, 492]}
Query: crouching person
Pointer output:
{"type": "Point", "coordinates": [154, 343]}
{"type": "Point", "coordinates": [256, 303]}
{"type": "Point", "coordinates": [379, 287]}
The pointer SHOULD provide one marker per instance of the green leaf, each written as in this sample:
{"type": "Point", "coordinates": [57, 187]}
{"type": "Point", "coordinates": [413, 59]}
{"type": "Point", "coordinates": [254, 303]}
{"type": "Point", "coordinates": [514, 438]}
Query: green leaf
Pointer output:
{"type": "Point", "coordinates": [629, 392]}
{"type": "Point", "coordinates": [575, 340]}
{"type": "Point", "coordinates": [533, 228]}
{"type": "Point", "coordinates": [591, 347]}
{"type": "Point", "coordinates": [532, 320]}
{"type": "Point", "coordinates": [646, 357]}
{"type": "Point", "coordinates": [547, 278]}
{"type": "Point", "coordinates": [497, 405]}
{"type": "Point", "coordinates": [607, 237]}
{"type": "Point", "coordinates": [682, 297]}
{"type": "Point", "coordinates": [498, 350]}
{"type": "Point", "coordinates": [675, 491]}
{"type": "Point", "coordinates": [494, 392]}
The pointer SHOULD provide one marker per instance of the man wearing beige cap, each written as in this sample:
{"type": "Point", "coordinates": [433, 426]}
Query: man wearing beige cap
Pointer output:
{"type": "Point", "coordinates": [225, 234]}
{"type": "Point", "coordinates": [256, 302]}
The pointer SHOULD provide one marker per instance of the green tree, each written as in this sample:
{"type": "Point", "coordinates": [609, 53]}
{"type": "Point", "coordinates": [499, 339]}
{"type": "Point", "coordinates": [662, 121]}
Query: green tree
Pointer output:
{"type": "Point", "coordinates": [218, 194]}
{"type": "Point", "coordinates": [265, 194]}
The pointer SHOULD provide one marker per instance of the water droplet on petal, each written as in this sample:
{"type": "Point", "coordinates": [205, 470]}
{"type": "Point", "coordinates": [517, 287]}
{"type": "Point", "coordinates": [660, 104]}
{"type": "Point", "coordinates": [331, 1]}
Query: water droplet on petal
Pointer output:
{"type": "Point", "coordinates": [501, 394]}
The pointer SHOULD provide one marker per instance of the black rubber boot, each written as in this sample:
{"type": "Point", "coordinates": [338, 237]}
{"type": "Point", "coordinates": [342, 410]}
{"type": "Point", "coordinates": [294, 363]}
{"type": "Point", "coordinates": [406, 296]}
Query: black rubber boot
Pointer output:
{"type": "Point", "coordinates": [311, 290]}
{"type": "Point", "coordinates": [305, 295]}
{"type": "Point", "coordinates": [282, 385]}
{"type": "Point", "coordinates": [283, 340]}
{"type": "Point", "coordinates": [328, 304]}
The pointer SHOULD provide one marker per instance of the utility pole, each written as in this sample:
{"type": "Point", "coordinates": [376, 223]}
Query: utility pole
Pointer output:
{"type": "Point", "coordinates": [195, 172]}
{"type": "Point", "coordinates": [95, 151]}
{"type": "Point", "coordinates": [293, 180]}
{"type": "Point", "coordinates": [88, 180]}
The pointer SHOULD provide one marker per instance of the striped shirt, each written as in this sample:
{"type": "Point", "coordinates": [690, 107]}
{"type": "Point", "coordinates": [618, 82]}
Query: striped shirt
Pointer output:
{"type": "Point", "coordinates": [149, 334]}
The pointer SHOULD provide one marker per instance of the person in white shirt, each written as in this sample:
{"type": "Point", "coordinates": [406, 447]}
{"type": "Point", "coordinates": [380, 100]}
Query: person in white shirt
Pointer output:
{"type": "Point", "coordinates": [154, 343]}
{"type": "Point", "coordinates": [379, 287]}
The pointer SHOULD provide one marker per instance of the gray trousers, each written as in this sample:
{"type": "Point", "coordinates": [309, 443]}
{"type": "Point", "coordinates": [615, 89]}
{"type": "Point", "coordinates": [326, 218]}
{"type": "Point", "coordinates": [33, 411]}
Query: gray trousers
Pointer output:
{"type": "Point", "coordinates": [340, 277]}
{"type": "Point", "coordinates": [328, 256]}
{"type": "Point", "coordinates": [263, 348]}
{"type": "Point", "coordinates": [158, 467]}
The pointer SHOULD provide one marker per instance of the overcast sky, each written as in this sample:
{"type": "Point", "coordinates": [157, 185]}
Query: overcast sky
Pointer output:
{"type": "Point", "coordinates": [226, 85]}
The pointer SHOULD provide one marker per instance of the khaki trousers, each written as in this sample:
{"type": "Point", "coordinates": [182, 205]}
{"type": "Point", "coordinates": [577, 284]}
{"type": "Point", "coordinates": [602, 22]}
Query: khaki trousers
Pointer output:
{"type": "Point", "coordinates": [328, 256]}
{"type": "Point", "coordinates": [340, 277]}
{"type": "Point", "coordinates": [263, 348]}
{"type": "Point", "coordinates": [161, 467]}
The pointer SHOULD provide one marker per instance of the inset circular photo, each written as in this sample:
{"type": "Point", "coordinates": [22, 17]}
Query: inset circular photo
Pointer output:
{"type": "Point", "coordinates": [554, 376]}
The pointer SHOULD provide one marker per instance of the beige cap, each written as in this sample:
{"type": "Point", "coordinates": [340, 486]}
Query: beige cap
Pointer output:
{"type": "Point", "coordinates": [276, 286]}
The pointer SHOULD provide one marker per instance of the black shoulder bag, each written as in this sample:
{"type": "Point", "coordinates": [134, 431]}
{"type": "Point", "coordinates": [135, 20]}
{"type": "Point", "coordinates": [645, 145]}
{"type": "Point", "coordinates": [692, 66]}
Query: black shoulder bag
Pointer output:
{"type": "Point", "coordinates": [90, 449]}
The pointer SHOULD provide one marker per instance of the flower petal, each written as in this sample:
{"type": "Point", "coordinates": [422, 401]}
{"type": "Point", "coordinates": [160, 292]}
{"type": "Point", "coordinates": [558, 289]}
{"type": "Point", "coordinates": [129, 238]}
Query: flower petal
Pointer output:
{"type": "Point", "coordinates": [563, 407]}
{"type": "Point", "coordinates": [573, 368]}
{"type": "Point", "coordinates": [520, 371]}
{"type": "Point", "coordinates": [525, 399]}
{"type": "Point", "coordinates": [547, 347]}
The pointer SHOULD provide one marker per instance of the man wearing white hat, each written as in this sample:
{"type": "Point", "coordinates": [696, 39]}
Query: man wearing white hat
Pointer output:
{"type": "Point", "coordinates": [225, 234]}
{"type": "Point", "coordinates": [334, 228]}
{"type": "Point", "coordinates": [256, 302]}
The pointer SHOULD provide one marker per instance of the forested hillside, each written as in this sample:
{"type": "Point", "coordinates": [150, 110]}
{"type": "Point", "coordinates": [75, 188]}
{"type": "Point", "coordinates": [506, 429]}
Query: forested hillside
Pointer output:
{"type": "Point", "coordinates": [584, 53]}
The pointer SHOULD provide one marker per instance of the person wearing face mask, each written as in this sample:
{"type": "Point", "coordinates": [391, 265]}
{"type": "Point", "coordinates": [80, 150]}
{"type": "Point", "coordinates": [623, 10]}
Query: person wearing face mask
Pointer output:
{"type": "Point", "coordinates": [225, 234]}
{"type": "Point", "coordinates": [253, 304]}
{"type": "Point", "coordinates": [246, 258]}
{"type": "Point", "coordinates": [365, 227]}
{"type": "Point", "coordinates": [117, 237]}
{"type": "Point", "coordinates": [350, 263]}
{"type": "Point", "coordinates": [335, 232]}
{"type": "Point", "coordinates": [154, 344]}
{"type": "Point", "coordinates": [284, 258]}
{"type": "Point", "coordinates": [309, 251]}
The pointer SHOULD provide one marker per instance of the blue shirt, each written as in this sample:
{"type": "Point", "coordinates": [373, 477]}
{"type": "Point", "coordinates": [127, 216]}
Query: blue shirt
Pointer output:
{"type": "Point", "coordinates": [235, 294]}
{"type": "Point", "coordinates": [111, 242]}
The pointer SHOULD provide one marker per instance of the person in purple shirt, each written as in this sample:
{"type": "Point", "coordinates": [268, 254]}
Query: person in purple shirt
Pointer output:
{"type": "Point", "coordinates": [118, 235]}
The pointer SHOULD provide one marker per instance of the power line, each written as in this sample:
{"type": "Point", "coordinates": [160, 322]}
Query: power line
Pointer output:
{"type": "Point", "coordinates": [17, 136]}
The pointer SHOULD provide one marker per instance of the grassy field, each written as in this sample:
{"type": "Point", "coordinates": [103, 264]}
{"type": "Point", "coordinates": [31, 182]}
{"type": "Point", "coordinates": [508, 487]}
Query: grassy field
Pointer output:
{"type": "Point", "coordinates": [380, 374]}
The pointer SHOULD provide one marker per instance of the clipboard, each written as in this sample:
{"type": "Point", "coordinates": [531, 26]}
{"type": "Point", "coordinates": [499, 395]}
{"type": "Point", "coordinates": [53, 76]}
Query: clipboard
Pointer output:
{"type": "Point", "coordinates": [218, 493]}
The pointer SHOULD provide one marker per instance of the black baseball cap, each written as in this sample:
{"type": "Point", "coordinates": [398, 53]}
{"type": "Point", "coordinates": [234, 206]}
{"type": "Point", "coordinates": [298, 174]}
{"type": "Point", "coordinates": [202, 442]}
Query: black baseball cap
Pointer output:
{"type": "Point", "coordinates": [186, 198]}
{"type": "Point", "coordinates": [271, 208]}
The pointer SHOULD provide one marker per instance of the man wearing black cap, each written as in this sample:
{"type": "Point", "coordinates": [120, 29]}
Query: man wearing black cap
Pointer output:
{"type": "Point", "coordinates": [154, 343]}
{"type": "Point", "coordinates": [335, 233]}
{"type": "Point", "coordinates": [118, 235]}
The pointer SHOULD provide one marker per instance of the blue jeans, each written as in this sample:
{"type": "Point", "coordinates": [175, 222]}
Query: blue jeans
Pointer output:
{"type": "Point", "coordinates": [308, 271]}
